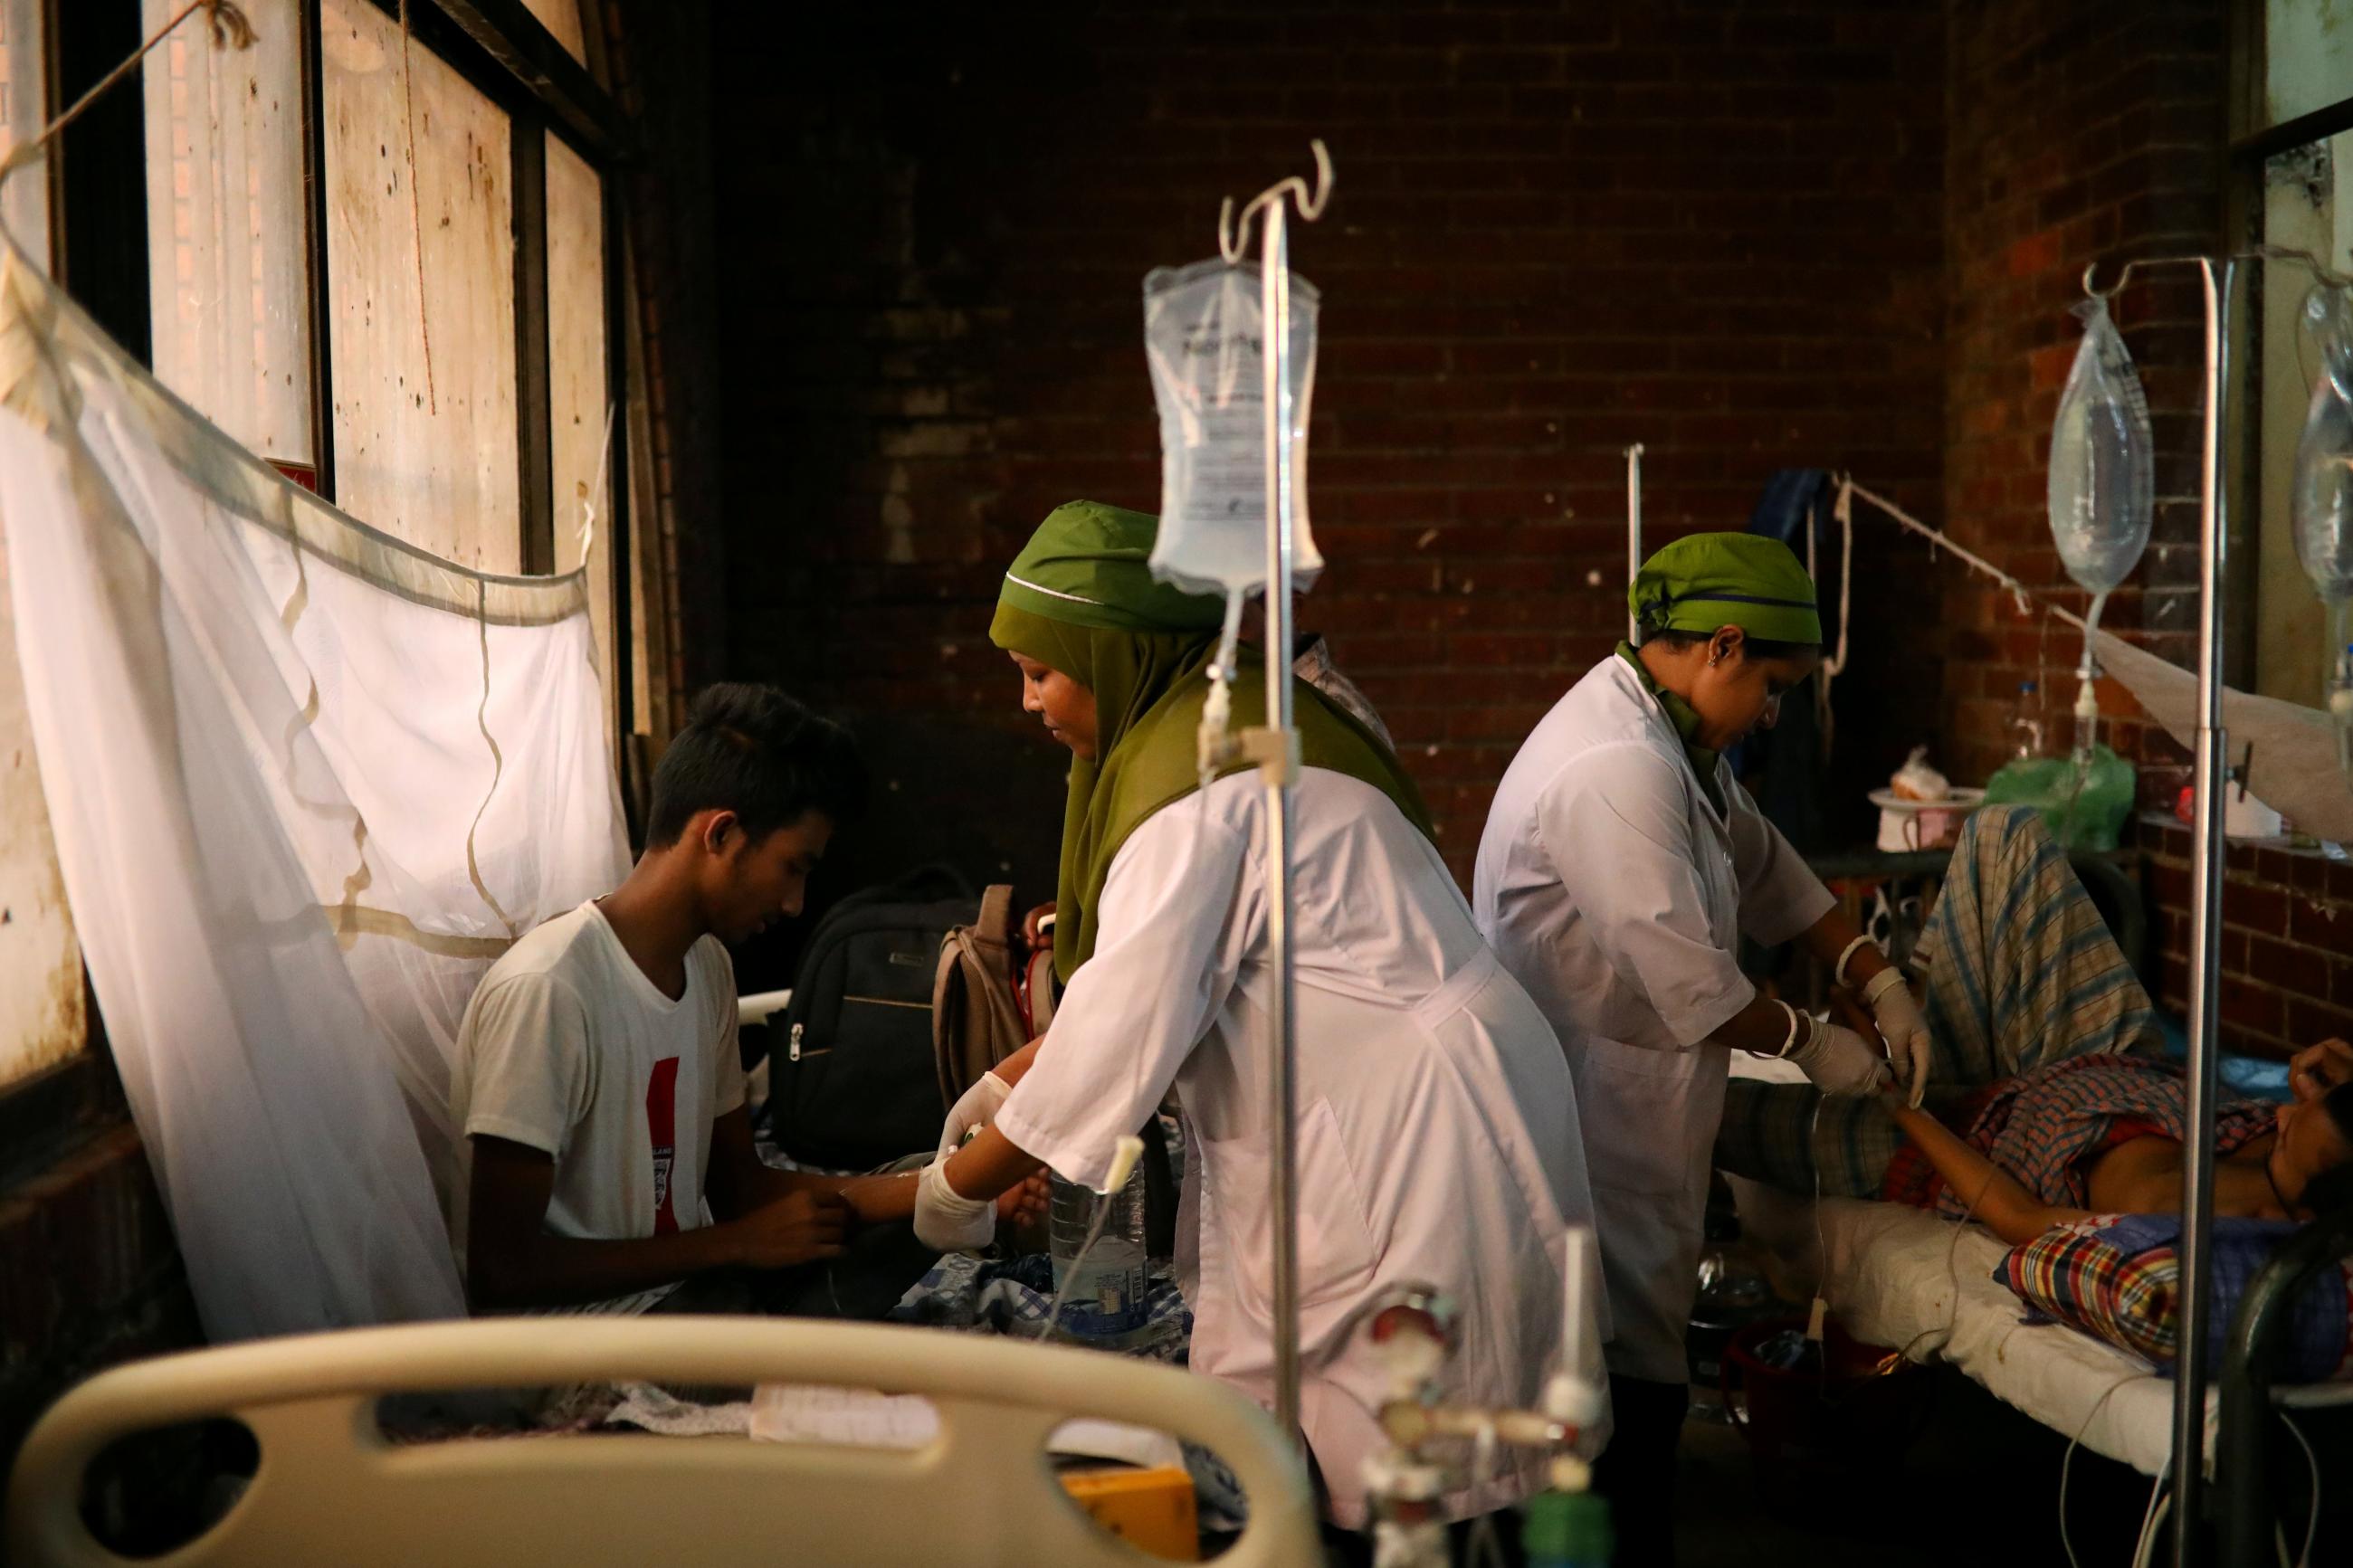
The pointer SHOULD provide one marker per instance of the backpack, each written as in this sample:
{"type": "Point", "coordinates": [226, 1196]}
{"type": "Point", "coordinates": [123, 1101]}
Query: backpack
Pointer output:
{"type": "Point", "coordinates": [980, 1012]}
{"type": "Point", "coordinates": [855, 1082]}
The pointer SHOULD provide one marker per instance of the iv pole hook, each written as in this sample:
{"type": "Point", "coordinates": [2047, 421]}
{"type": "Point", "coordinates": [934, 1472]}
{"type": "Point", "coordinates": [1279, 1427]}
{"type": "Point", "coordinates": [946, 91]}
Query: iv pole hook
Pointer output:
{"type": "Point", "coordinates": [1233, 239]}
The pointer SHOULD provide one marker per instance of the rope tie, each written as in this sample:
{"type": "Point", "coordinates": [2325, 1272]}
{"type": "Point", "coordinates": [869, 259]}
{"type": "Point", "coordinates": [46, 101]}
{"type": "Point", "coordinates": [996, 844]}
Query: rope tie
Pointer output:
{"type": "Point", "coordinates": [229, 30]}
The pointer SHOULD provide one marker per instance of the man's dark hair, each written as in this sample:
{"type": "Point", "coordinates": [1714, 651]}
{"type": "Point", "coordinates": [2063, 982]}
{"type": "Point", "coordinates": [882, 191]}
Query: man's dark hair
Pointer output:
{"type": "Point", "coordinates": [754, 751]}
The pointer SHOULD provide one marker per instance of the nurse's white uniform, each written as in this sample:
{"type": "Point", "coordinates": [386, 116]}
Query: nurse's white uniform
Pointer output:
{"type": "Point", "coordinates": [1437, 1132]}
{"type": "Point", "coordinates": [1616, 892]}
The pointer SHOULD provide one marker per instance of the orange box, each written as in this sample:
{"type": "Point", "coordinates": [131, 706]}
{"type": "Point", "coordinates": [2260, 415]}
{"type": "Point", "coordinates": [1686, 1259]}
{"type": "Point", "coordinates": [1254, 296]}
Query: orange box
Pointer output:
{"type": "Point", "coordinates": [1152, 1511]}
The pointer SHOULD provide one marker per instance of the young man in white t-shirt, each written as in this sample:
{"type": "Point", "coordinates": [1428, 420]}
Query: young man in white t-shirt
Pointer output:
{"type": "Point", "coordinates": [597, 1077]}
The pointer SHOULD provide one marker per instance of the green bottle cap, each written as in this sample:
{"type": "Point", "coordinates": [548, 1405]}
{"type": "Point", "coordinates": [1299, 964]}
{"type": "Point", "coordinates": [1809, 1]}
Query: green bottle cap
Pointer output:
{"type": "Point", "coordinates": [1567, 1527]}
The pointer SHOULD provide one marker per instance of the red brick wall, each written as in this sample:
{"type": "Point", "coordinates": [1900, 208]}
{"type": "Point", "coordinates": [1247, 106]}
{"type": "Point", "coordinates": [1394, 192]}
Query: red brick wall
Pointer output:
{"type": "Point", "coordinates": [89, 1272]}
{"type": "Point", "coordinates": [1557, 230]}
{"type": "Point", "coordinates": [2077, 132]}
{"type": "Point", "coordinates": [2287, 941]}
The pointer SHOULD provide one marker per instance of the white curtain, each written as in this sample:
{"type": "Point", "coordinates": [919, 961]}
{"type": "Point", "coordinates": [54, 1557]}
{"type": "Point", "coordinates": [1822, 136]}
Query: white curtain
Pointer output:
{"type": "Point", "coordinates": [307, 783]}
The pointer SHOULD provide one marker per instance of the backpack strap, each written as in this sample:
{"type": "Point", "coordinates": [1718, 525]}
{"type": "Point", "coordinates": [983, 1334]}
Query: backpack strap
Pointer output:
{"type": "Point", "coordinates": [975, 1023]}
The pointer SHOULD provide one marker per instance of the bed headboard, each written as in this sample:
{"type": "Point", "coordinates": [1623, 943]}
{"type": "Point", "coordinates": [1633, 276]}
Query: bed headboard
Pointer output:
{"type": "Point", "coordinates": [329, 1488]}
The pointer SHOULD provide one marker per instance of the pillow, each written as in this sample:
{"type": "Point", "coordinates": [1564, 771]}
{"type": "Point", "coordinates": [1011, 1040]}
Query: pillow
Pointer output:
{"type": "Point", "coordinates": [2117, 1276]}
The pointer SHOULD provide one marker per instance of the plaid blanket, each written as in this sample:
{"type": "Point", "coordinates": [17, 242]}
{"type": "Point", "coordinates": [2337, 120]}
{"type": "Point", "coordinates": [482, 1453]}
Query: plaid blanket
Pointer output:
{"type": "Point", "coordinates": [2119, 1278]}
{"type": "Point", "coordinates": [2020, 974]}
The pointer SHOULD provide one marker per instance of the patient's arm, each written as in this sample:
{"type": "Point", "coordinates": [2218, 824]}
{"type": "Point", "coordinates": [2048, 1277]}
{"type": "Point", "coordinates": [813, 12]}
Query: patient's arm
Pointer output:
{"type": "Point", "coordinates": [1994, 1197]}
{"type": "Point", "coordinates": [740, 1182]}
{"type": "Point", "coordinates": [2315, 1069]}
{"type": "Point", "coordinates": [514, 1260]}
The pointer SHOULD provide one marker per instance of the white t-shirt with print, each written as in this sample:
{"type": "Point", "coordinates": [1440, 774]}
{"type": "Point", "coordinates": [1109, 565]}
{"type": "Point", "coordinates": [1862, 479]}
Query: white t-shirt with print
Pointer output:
{"type": "Point", "coordinates": [568, 1048]}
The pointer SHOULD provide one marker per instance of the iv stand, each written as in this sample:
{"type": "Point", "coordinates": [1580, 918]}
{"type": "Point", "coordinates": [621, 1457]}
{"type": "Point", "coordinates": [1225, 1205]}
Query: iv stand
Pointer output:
{"type": "Point", "coordinates": [1276, 747]}
{"type": "Point", "coordinates": [1633, 531]}
{"type": "Point", "coordinates": [2205, 945]}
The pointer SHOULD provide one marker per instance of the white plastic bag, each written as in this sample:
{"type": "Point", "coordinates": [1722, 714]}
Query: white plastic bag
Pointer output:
{"type": "Point", "coordinates": [1204, 338]}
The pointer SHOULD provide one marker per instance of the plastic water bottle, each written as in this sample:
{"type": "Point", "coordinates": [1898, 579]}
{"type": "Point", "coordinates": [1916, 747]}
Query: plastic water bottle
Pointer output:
{"type": "Point", "coordinates": [1106, 1293]}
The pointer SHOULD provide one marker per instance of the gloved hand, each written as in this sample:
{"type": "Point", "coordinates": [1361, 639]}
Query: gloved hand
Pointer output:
{"type": "Point", "coordinates": [976, 1107]}
{"type": "Point", "coordinates": [946, 1218]}
{"type": "Point", "coordinates": [1908, 1043]}
{"type": "Point", "coordinates": [1839, 1060]}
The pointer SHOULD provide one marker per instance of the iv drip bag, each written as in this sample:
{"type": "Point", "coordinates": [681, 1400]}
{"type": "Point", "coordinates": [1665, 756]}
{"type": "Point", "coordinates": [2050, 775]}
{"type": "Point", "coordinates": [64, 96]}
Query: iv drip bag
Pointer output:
{"type": "Point", "coordinates": [2323, 505]}
{"type": "Point", "coordinates": [2322, 502]}
{"type": "Point", "coordinates": [2102, 461]}
{"type": "Point", "coordinates": [1204, 339]}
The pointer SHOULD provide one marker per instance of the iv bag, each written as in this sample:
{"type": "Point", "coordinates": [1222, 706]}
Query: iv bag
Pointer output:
{"type": "Point", "coordinates": [2327, 324]}
{"type": "Point", "coordinates": [2323, 504]}
{"type": "Point", "coordinates": [2102, 461]}
{"type": "Point", "coordinates": [1204, 339]}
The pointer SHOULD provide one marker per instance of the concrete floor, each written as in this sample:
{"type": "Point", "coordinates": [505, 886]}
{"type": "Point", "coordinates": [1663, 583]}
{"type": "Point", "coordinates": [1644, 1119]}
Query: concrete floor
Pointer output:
{"type": "Point", "coordinates": [1980, 1486]}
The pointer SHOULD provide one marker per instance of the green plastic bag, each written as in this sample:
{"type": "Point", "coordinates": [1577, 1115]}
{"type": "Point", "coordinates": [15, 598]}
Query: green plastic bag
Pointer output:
{"type": "Point", "coordinates": [2083, 808]}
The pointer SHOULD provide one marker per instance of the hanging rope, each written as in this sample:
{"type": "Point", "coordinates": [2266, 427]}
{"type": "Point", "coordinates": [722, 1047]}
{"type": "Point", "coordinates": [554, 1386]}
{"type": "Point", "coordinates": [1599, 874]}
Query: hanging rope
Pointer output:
{"type": "Point", "coordinates": [230, 30]}
{"type": "Point", "coordinates": [2028, 601]}
{"type": "Point", "coordinates": [416, 217]}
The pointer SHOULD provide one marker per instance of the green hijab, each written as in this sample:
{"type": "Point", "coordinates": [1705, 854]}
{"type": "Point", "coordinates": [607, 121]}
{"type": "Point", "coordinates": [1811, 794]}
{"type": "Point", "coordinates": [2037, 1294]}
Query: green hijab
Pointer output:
{"type": "Point", "coordinates": [1081, 599]}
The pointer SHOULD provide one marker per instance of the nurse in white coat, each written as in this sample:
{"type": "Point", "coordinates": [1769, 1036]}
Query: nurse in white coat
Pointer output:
{"type": "Point", "coordinates": [1620, 866]}
{"type": "Point", "coordinates": [1437, 1122]}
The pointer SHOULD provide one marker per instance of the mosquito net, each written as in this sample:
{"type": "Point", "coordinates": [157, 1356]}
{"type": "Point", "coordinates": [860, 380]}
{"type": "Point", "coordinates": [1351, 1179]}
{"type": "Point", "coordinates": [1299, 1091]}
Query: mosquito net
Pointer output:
{"type": "Point", "coordinates": [307, 783]}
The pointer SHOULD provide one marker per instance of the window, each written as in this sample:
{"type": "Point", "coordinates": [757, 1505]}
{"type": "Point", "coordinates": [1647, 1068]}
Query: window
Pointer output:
{"type": "Point", "coordinates": [293, 271]}
{"type": "Point", "coordinates": [424, 361]}
{"type": "Point", "coordinates": [2293, 178]}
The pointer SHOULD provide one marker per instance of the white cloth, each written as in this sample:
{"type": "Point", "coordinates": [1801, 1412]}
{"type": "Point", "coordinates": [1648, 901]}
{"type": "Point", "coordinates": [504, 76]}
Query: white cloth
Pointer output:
{"type": "Point", "coordinates": [1436, 1125]}
{"type": "Point", "coordinates": [320, 782]}
{"type": "Point", "coordinates": [1617, 894]}
{"type": "Point", "coordinates": [568, 1048]}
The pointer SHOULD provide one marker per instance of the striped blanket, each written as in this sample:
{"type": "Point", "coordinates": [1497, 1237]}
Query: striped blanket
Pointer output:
{"type": "Point", "coordinates": [2020, 974]}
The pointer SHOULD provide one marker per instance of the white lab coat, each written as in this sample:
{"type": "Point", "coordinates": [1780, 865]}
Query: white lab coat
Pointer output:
{"type": "Point", "coordinates": [1616, 892]}
{"type": "Point", "coordinates": [1437, 1123]}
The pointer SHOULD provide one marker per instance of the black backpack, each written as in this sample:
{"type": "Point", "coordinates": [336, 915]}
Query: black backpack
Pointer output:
{"type": "Point", "coordinates": [853, 1081]}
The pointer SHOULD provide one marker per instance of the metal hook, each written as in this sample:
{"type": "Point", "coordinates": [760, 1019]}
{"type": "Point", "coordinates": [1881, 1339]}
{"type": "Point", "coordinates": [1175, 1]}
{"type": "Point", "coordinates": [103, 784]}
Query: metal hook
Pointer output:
{"type": "Point", "coordinates": [1233, 239]}
{"type": "Point", "coordinates": [2131, 267]}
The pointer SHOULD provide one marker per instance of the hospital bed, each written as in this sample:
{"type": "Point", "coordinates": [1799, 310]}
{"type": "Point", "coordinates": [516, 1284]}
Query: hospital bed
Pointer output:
{"type": "Point", "coordinates": [331, 1488]}
{"type": "Point", "coordinates": [1903, 1277]}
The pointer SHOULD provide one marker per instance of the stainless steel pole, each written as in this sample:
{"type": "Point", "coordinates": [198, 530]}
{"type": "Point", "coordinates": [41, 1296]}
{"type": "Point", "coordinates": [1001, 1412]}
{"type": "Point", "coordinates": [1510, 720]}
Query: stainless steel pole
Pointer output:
{"type": "Point", "coordinates": [2205, 964]}
{"type": "Point", "coordinates": [1274, 297]}
{"type": "Point", "coordinates": [1633, 530]}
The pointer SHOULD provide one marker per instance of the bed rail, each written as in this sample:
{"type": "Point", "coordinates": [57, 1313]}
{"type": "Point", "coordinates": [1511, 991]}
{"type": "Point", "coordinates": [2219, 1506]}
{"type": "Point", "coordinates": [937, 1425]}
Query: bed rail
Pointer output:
{"type": "Point", "coordinates": [2249, 1357]}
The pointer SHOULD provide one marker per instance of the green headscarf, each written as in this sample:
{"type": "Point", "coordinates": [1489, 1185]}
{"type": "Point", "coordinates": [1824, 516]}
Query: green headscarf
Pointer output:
{"type": "Point", "coordinates": [1080, 599]}
{"type": "Point", "coordinates": [1707, 581]}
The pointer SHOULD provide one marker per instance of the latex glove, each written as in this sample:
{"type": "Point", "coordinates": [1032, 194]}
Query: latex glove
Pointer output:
{"type": "Point", "coordinates": [1906, 1033]}
{"type": "Point", "coordinates": [976, 1107]}
{"type": "Point", "coordinates": [948, 1220]}
{"type": "Point", "coordinates": [1839, 1060]}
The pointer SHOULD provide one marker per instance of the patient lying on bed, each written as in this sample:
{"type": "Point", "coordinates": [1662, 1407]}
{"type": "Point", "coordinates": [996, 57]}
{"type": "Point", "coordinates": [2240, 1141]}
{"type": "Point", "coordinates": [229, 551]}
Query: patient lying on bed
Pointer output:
{"type": "Point", "coordinates": [2103, 1134]}
{"type": "Point", "coordinates": [2050, 1098]}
